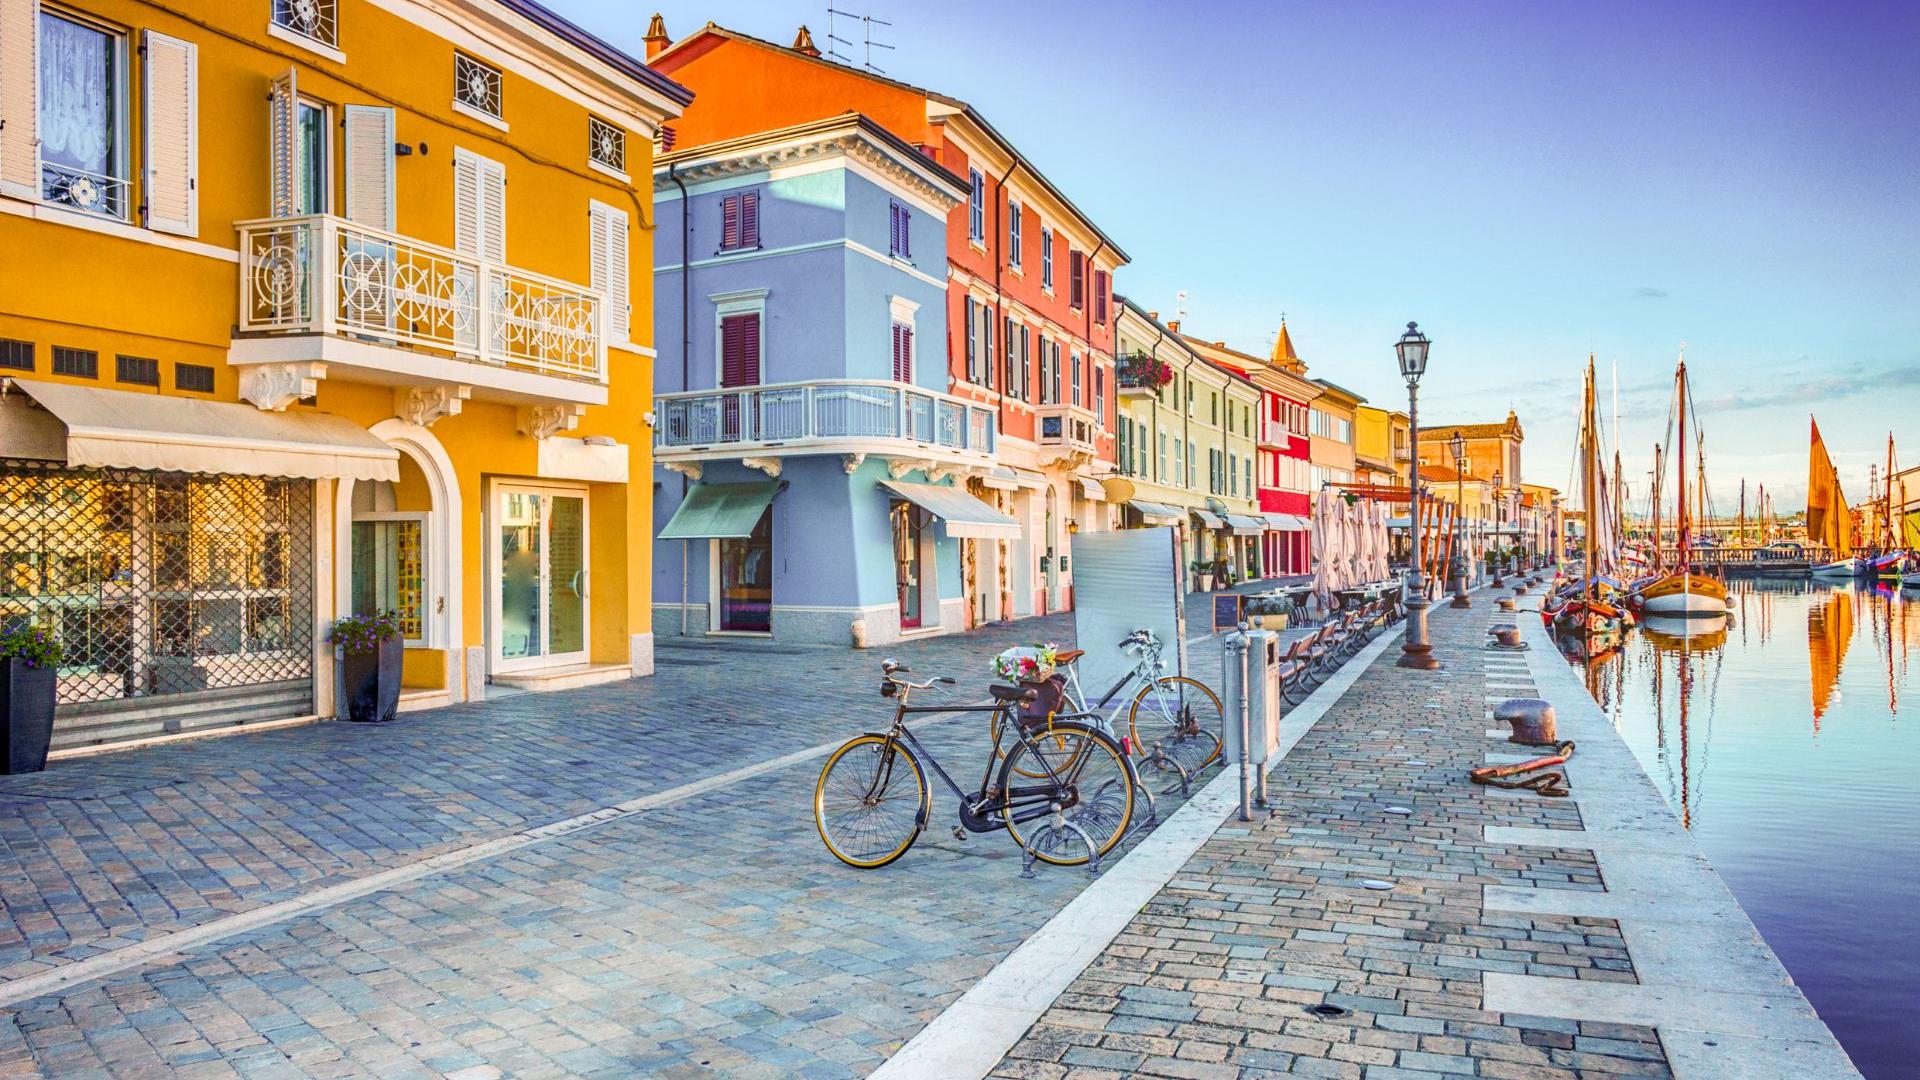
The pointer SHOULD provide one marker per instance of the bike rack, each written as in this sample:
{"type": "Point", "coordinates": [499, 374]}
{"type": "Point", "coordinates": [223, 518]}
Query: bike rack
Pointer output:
{"type": "Point", "coordinates": [1030, 857]}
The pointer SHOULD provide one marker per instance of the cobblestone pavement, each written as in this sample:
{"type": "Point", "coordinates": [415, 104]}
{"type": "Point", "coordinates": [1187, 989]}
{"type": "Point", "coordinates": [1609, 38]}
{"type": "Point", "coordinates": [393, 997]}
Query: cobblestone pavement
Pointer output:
{"type": "Point", "coordinates": [709, 936]}
{"type": "Point", "coordinates": [1269, 954]}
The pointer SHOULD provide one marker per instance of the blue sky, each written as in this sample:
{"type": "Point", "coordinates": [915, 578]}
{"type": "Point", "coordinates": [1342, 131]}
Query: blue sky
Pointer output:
{"type": "Point", "coordinates": [1532, 182]}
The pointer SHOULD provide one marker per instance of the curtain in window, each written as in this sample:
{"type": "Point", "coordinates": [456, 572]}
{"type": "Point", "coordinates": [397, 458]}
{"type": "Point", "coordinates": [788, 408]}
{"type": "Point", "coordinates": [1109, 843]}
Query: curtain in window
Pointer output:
{"type": "Point", "coordinates": [76, 96]}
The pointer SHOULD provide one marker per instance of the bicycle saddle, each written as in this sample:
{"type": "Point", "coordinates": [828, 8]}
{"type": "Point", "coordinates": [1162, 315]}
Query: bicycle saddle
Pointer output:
{"type": "Point", "coordinates": [1068, 656]}
{"type": "Point", "coordinates": [1011, 693]}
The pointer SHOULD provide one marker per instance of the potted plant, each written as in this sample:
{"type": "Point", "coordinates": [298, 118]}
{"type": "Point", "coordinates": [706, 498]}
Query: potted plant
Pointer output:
{"type": "Point", "coordinates": [1269, 612]}
{"type": "Point", "coordinates": [370, 669]}
{"type": "Point", "coordinates": [29, 667]}
{"type": "Point", "coordinates": [1202, 575]}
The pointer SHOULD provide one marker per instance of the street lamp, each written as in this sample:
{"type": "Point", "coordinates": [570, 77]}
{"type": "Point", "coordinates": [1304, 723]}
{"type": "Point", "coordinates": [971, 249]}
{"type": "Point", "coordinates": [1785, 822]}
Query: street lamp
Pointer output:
{"type": "Point", "coordinates": [1458, 445]}
{"type": "Point", "coordinates": [1499, 523]}
{"type": "Point", "coordinates": [1416, 651]}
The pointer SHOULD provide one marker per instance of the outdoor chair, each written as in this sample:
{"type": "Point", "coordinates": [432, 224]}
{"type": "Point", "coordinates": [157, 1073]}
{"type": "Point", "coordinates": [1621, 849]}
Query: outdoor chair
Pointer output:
{"type": "Point", "coordinates": [1294, 671]}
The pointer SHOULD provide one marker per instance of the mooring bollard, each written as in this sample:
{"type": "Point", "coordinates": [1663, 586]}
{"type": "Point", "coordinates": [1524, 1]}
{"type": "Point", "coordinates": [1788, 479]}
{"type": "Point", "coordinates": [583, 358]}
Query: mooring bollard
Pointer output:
{"type": "Point", "coordinates": [1531, 719]}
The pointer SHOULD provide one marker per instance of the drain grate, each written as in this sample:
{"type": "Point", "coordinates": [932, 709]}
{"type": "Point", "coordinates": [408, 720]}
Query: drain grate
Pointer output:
{"type": "Point", "coordinates": [1328, 1011]}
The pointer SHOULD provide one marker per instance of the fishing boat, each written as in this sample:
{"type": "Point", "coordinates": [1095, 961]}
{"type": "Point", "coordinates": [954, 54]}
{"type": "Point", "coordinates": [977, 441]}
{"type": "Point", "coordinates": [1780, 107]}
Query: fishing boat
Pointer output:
{"type": "Point", "coordinates": [1829, 523]}
{"type": "Point", "coordinates": [1683, 592]}
{"type": "Point", "coordinates": [1893, 563]}
{"type": "Point", "coordinates": [1586, 610]}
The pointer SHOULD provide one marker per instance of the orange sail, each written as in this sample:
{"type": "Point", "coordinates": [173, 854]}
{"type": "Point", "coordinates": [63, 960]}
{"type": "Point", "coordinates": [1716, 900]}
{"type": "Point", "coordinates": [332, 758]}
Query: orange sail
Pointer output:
{"type": "Point", "coordinates": [1829, 633]}
{"type": "Point", "coordinates": [1828, 521]}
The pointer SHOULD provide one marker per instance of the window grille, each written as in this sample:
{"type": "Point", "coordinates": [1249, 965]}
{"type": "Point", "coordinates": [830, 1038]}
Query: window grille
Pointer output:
{"type": "Point", "coordinates": [137, 370]}
{"type": "Point", "coordinates": [195, 377]}
{"type": "Point", "coordinates": [308, 18]}
{"type": "Point", "coordinates": [16, 355]}
{"type": "Point", "coordinates": [606, 144]}
{"type": "Point", "coordinates": [84, 363]}
{"type": "Point", "coordinates": [162, 586]}
{"type": "Point", "coordinates": [476, 85]}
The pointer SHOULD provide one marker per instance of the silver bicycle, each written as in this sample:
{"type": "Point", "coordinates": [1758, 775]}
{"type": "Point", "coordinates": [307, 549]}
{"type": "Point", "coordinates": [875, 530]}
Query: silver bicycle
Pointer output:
{"type": "Point", "coordinates": [1172, 722]}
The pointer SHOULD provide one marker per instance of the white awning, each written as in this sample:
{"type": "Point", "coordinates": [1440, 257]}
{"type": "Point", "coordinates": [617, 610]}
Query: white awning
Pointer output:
{"type": "Point", "coordinates": [1002, 478]}
{"type": "Point", "coordinates": [963, 515]}
{"type": "Point", "coordinates": [1027, 478]}
{"type": "Point", "coordinates": [1208, 520]}
{"type": "Point", "coordinates": [1243, 525]}
{"type": "Point", "coordinates": [1091, 488]}
{"type": "Point", "coordinates": [87, 426]}
{"type": "Point", "coordinates": [1156, 513]}
{"type": "Point", "coordinates": [1288, 523]}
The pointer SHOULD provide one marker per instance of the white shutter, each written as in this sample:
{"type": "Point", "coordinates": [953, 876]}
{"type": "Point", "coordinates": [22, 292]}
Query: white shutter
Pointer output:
{"type": "Point", "coordinates": [493, 211]}
{"type": "Point", "coordinates": [283, 143]}
{"type": "Point", "coordinates": [19, 67]}
{"type": "Point", "coordinates": [479, 206]}
{"type": "Point", "coordinates": [466, 202]}
{"type": "Point", "coordinates": [607, 267]}
{"type": "Point", "coordinates": [173, 134]}
{"type": "Point", "coordinates": [370, 166]}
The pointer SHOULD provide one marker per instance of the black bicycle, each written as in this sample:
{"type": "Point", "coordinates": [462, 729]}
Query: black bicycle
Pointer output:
{"type": "Point", "coordinates": [1062, 789]}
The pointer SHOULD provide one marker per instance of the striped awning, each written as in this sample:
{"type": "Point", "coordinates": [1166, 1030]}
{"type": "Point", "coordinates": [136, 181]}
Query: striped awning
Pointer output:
{"type": "Point", "coordinates": [1208, 519]}
{"type": "Point", "coordinates": [1288, 523]}
{"type": "Point", "coordinates": [1244, 525]}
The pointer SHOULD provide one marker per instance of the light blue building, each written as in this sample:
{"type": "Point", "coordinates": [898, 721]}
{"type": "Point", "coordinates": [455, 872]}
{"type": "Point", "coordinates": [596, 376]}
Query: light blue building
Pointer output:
{"type": "Point", "coordinates": [807, 453]}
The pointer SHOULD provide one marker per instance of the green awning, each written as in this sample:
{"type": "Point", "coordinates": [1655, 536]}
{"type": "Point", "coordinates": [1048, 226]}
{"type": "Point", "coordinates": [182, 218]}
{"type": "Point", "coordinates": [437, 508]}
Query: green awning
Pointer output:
{"type": "Point", "coordinates": [720, 511]}
{"type": "Point", "coordinates": [964, 515]}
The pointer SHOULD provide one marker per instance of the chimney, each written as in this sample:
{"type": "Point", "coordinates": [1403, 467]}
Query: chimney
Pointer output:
{"type": "Point", "coordinates": [803, 43]}
{"type": "Point", "coordinates": [1174, 326]}
{"type": "Point", "coordinates": [1154, 315]}
{"type": "Point", "coordinates": [656, 39]}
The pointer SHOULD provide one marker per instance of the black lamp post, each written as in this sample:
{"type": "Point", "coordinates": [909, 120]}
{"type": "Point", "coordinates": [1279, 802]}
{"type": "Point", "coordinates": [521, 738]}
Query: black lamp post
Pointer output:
{"type": "Point", "coordinates": [1458, 445]}
{"type": "Point", "coordinates": [1416, 651]}
{"type": "Point", "coordinates": [1499, 523]}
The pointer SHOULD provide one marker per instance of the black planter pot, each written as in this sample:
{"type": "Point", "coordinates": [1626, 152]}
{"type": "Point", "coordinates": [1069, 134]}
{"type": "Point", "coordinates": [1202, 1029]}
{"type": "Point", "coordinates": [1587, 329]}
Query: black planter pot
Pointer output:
{"type": "Point", "coordinates": [373, 682]}
{"type": "Point", "coordinates": [26, 702]}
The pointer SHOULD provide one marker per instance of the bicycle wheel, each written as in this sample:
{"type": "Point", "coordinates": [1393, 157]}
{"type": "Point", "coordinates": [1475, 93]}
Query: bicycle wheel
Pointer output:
{"type": "Point", "coordinates": [871, 801]}
{"type": "Point", "coordinates": [1056, 745]}
{"type": "Point", "coordinates": [1093, 793]}
{"type": "Point", "coordinates": [1179, 717]}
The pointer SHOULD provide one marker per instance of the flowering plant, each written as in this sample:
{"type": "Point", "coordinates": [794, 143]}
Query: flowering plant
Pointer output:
{"type": "Point", "coordinates": [37, 646]}
{"type": "Point", "coordinates": [1026, 664]}
{"type": "Point", "coordinates": [364, 633]}
{"type": "Point", "coordinates": [1144, 370]}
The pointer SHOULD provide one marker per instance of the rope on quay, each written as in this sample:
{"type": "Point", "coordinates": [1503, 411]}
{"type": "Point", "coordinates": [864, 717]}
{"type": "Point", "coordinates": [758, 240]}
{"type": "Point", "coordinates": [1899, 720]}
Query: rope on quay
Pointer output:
{"type": "Point", "coordinates": [1550, 784]}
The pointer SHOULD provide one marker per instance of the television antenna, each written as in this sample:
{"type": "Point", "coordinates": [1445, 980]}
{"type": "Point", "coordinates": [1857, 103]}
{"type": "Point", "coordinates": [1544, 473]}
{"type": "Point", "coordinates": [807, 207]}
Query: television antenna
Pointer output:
{"type": "Point", "coordinates": [867, 43]}
{"type": "Point", "coordinates": [1180, 304]}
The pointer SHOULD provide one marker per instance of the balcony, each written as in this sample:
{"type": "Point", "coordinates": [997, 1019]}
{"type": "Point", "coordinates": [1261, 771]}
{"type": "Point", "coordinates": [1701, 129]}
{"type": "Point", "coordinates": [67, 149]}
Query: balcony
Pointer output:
{"type": "Point", "coordinates": [1141, 376]}
{"type": "Point", "coordinates": [1272, 433]}
{"type": "Point", "coordinates": [322, 297]}
{"type": "Point", "coordinates": [911, 426]}
{"type": "Point", "coordinates": [1065, 434]}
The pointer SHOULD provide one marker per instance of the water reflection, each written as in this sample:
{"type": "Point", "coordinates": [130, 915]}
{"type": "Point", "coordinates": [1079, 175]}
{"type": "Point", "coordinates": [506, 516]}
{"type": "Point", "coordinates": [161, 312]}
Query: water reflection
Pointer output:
{"type": "Point", "coordinates": [1770, 733]}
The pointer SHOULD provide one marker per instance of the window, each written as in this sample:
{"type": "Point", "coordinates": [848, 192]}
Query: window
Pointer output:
{"type": "Point", "coordinates": [973, 340]}
{"type": "Point", "coordinates": [1013, 234]}
{"type": "Point", "coordinates": [83, 116]}
{"type": "Point", "coordinates": [1179, 464]}
{"type": "Point", "coordinates": [476, 87]}
{"type": "Point", "coordinates": [986, 345]}
{"type": "Point", "coordinates": [1233, 478]}
{"type": "Point", "coordinates": [976, 206]}
{"type": "Point", "coordinates": [1163, 455]}
{"type": "Point", "coordinates": [740, 349]}
{"type": "Point", "coordinates": [310, 187]}
{"type": "Point", "coordinates": [308, 18]}
{"type": "Point", "coordinates": [1014, 387]}
{"type": "Point", "coordinates": [389, 568]}
{"type": "Point", "coordinates": [1213, 403]}
{"type": "Point", "coordinates": [1049, 378]}
{"type": "Point", "coordinates": [479, 206]}
{"type": "Point", "coordinates": [1193, 466]}
{"type": "Point", "coordinates": [136, 370]}
{"type": "Point", "coordinates": [1046, 259]}
{"type": "Point", "coordinates": [1123, 453]}
{"type": "Point", "coordinates": [1026, 366]}
{"type": "Point", "coordinates": [1100, 394]}
{"type": "Point", "coordinates": [1076, 379]}
{"type": "Point", "coordinates": [1142, 428]}
{"type": "Point", "coordinates": [740, 221]}
{"type": "Point", "coordinates": [902, 353]}
{"type": "Point", "coordinates": [195, 377]}
{"type": "Point", "coordinates": [83, 363]}
{"type": "Point", "coordinates": [899, 231]}
{"type": "Point", "coordinates": [1076, 280]}
{"type": "Point", "coordinates": [16, 355]}
{"type": "Point", "coordinates": [607, 266]}
{"type": "Point", "coordinates": [1100, 297]}
{"type": "Point", "coordinates": [606, 145]}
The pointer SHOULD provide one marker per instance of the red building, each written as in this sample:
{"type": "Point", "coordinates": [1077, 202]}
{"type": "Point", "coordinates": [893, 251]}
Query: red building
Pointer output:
{"type": "Point", "coordinates": [1283, 471]}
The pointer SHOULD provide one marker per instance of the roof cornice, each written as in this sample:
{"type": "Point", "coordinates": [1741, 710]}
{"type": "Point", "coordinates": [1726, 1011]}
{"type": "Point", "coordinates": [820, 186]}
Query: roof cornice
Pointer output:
{"type": "Point", "coordinates": [853, 137]}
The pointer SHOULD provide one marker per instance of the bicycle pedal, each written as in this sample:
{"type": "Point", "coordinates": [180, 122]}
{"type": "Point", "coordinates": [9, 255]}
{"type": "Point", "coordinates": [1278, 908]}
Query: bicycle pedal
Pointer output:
{"type": "Point", "coordinates": [960, 834]}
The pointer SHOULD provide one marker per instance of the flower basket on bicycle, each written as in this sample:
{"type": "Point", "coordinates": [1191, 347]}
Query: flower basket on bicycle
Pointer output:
{"type": "Point", "coordinates": [1035, 667]}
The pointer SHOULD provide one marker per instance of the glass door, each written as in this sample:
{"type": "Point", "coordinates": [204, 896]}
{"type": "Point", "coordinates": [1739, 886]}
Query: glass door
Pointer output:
{"type": "Point", "coordinates": [540, 607]}
{"type": "Point", "coordinates": [906, 563]}
{"type": "Point", "coordinates": [746, 580]}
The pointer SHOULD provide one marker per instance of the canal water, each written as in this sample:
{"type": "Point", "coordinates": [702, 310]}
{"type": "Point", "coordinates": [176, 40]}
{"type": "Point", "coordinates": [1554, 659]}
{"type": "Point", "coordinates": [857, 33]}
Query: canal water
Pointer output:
{"type": "Point", "coordinates": [1788, 740]}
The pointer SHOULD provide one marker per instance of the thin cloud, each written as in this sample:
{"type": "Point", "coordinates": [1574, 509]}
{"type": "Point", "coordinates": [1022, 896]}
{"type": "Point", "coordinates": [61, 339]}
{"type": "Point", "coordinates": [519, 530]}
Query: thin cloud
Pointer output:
{"type": "Point", "coordinates": [1814, 391]}
{"type": "Point", "coordinates": [1648, 292]}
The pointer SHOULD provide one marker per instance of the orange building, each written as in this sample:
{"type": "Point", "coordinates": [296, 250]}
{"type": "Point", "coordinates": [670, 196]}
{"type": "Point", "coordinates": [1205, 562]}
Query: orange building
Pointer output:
{"type": "Point", "coordinates": [1029, 282]}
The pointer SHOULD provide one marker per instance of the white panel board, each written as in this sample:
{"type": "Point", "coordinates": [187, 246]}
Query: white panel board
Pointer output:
{"type": "Point", "coordinates": [1124, 581]}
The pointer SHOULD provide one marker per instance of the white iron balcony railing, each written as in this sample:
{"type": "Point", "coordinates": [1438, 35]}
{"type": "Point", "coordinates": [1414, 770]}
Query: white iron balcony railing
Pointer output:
{"type": "Point", "coordinates": [1067, 427]}
{"type": "Point", "coordinates": [829, 415]}
{"type": "Point", "coordinates": [326, 275]}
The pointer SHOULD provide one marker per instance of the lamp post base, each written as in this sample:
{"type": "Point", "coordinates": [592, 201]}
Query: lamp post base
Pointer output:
{"type": "Point", "coordinates": [1415, 651]}
{"type": "Point", "coordinates": [1460, 601]}
{"type": "Point", "coordinates": [1417, 657]}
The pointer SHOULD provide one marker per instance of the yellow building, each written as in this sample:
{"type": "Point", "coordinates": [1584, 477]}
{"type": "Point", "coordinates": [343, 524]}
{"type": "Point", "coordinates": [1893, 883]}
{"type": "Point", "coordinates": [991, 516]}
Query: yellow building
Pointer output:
{"type": "Point", "coordinates": [1331, 423]}
{"type": "Point", "coordinates": [1382, 446]}
{"type": "Point", "coordinates": [1186, 450]}
{"type": "Point", "coordinates": [316, 308]}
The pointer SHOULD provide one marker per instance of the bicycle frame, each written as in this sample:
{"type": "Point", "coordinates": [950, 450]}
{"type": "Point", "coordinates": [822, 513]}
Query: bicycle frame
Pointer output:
{"type": "Point", "coordinates": [1028, 802]}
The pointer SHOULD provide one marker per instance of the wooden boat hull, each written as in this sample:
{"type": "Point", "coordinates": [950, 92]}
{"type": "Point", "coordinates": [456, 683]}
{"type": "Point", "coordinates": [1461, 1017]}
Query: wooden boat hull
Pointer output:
{"type": "Point", "coordinates": [1685, 595]}
{"type": "Point", "coordinates": [1842, 568]}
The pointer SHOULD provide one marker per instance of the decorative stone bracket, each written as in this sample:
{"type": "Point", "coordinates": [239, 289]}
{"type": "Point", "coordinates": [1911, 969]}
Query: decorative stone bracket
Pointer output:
{"type": "Point", "coordinates": [545, 421]}
{"type": "Point", "coordinates": [273, 387]}
{"type": "Point", "coordinates": [688, 469]}
{"type": "Point", "coordinates": [424, 405]}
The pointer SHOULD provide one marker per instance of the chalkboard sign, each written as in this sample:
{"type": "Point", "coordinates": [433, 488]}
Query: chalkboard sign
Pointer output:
{"type": "Point", "coordinates": [1226, 611]}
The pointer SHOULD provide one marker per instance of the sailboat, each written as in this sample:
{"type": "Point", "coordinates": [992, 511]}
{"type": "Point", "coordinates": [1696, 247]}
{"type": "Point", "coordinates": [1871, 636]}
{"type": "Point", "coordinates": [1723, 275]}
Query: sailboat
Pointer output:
{"type": "Point", "coordinates": [1829, 523]}
{"type": "Point", "coordinates": [1589, 616]}
{"type": "Point", "coordinates": [1892, 560]}
{"type": "Point", "coordinates": [1683, 592]}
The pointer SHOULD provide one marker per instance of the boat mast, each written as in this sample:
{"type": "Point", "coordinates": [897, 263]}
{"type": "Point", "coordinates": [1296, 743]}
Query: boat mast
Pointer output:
{"type": "Point", "coordinates": [1886, 495]}
{"type": "Point", "coordinates": [1684, 542]}
{"type": "Point", "coordinates": [1591, 450]}
{"type": "Point", "coordinates": [1742, 541]}
{"type": "Point", "coordinates": [1659, 487]}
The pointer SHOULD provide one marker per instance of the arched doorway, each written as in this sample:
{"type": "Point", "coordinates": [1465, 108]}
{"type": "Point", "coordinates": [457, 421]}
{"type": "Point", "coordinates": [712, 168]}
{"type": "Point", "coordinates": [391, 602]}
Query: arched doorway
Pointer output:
{"type": "Point", "coordinates": [398, 547]}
